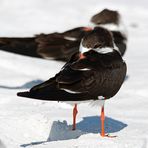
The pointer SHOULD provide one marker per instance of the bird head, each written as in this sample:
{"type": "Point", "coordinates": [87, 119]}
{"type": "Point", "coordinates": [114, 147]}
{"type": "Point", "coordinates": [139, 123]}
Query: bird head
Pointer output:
{"type": "Point", "coordinates": [106, 16]}
{"type": "Point", "coordinates": [97, 39]}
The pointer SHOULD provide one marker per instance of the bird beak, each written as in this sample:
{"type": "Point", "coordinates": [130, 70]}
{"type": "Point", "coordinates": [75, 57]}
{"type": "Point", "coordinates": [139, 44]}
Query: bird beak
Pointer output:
{"type": "Point", "coordinates": [81, 56]}
{"type": "Point", "coordinates": [87, 29]}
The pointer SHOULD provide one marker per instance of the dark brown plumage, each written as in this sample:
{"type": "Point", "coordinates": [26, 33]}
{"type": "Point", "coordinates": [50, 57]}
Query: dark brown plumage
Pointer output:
{"type": "Point", "coordinates": [23, 46]}
{"type": "Point", "coordinates": [97, 38]}
{"type": "Point", "coordinates": [104, 79]}
{"type": "Point", "coordinates": [120, 41]}
{"type": "Point", "coordinates": [106, 16]}
{"type": "Point", "coordinates": [59, 46]}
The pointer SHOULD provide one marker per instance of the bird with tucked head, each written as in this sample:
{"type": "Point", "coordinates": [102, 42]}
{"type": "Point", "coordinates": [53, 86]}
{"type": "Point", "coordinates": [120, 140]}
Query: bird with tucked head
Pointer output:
{"type": "Point", "coordinates": [94, 74]}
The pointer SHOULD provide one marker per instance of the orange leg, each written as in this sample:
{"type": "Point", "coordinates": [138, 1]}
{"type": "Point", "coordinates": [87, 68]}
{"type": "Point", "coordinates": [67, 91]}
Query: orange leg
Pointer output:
{"type": "Point", "coordinates": [102, 122]}
{"type": "Point", "coordinates": [75, 111]}
{"type": "Point", "coordinates": [102, 125]}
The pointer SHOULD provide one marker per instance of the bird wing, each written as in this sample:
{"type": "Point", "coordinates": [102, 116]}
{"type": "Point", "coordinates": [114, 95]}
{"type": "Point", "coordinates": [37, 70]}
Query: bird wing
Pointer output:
{"type": "Point", "coordinates": [94, 60]}
{"type": "Point", "coordinates": [76, 84]}
{"type": "Point", "coordinates": [24, 46]}
{"type": "Point", "coordinates": [56, 46]}
{"type": "Point", "coordinates": [77, 33]}
{"type": "Point", "coordinates": [49, 90]}
{"type": "Point", "coordinates": [72, 79]}
{"type": "Point", "coordinates": [91, 73]}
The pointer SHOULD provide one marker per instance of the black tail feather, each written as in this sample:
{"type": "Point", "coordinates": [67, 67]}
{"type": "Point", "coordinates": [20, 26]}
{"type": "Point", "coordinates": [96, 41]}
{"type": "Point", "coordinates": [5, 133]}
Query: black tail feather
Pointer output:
{"type": "Point", "coordinates": [24, 46]}
{"type": "Point", "coordinates": [23, 94]}
{"type": "Point", "coordinates": [59, 95]}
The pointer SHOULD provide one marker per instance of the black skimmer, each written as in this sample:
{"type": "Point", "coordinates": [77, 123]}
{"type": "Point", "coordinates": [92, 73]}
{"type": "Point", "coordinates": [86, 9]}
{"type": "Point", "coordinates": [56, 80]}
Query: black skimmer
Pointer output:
{"type": "Point", "coordinates": [61, 46]}
{"type": "Point", "coordinates": [96, 74]}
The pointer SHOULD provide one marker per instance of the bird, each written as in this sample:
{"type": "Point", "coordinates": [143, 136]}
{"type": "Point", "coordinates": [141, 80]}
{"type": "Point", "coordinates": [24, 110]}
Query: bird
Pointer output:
{"type": "Point", "coordinates": [58, 46]}
{"type": "Point", "coordinates": [93, 74]}
{"type": "Point", "coordinates": [61, 46]}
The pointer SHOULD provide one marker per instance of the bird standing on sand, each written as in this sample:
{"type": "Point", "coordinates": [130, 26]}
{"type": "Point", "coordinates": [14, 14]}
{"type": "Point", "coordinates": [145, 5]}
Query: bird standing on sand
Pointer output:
{"type": "Point", "coordinates": [94, 74]}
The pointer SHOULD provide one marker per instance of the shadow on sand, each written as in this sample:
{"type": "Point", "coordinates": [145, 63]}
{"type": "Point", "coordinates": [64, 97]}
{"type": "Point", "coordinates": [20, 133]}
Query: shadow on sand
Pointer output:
{"type": "Point", "coordinates": [126, 78]}
{"type": "Point", "coordinates": [91, 124]}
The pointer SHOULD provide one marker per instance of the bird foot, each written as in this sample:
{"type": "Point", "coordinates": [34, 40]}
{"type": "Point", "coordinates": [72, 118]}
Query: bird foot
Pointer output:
{"type": "Point", "coordinates": [108, 136]}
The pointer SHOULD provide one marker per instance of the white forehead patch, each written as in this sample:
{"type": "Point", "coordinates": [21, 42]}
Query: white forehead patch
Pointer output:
{"type": "Point", "coordinates": [111, 26]}
{"type": "Point", "coordinates": [103, 50]}
{"type": "Point", "coordinates": [99, 50]}
{"type": "Point", "coordinates": [83, 49]}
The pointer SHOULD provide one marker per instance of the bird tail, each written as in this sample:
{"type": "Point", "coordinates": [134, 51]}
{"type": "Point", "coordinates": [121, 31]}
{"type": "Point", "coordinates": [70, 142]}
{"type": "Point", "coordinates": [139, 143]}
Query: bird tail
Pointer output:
{"type": "Point", "coordinates": [59, 95]}
{"type": "Point", "coordinates": [36, 96]}
{"type": "Point", "coordinates": [24, 46]}
{"type": "Point", "coordinates": [24, 94]}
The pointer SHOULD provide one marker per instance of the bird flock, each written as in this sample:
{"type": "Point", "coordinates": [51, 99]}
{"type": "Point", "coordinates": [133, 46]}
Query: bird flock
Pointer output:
{"type": "Point", "coordinates": [94, 70]}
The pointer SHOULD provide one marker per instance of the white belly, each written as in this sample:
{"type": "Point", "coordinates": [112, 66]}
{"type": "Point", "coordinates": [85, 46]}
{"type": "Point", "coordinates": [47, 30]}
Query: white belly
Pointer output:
{"type": "Point", "coordinates": [92, 103]}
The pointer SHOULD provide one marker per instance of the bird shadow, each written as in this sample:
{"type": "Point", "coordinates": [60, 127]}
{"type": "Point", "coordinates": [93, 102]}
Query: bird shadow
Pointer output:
{"type": "Point", "coordinates": [92, 124]}
{"type": "Point", "coordinates": [63, 131]}
{"type": "Point", "coordinates": [24, 86]}
{"type": "Point", "coordinates": [126, 77]}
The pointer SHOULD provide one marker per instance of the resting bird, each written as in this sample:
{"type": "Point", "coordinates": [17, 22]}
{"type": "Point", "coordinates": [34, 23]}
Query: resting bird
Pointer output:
{"type": "Point", "coordinates": [58, 46]}
{"type": "Point", "coordinates": [94, 74]}
{"type": "Point", "coordinates": [61, 46]}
